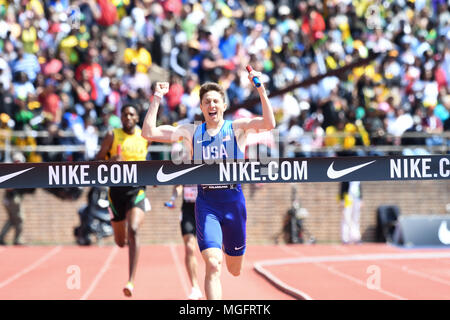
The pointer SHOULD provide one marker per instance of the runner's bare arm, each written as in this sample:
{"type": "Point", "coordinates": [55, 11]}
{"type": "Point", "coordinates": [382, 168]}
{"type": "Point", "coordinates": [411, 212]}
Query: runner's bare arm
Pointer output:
{"type": "Point", "coordinates": [264, 122]}
{"type": "Point", "coordinates": [105, 147]}
{"type": "Point", "coordinates": [163, 133]}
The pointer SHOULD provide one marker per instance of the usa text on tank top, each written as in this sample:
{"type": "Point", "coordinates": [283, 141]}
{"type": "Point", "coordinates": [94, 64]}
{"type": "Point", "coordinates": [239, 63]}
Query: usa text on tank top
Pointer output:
{"type": "Point", "coordinates": [221, 146]}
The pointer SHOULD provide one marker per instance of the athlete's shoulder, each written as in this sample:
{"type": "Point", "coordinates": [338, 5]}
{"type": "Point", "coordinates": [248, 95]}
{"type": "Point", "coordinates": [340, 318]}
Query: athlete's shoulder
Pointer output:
{"type": "Point", "coordinates": [117, 130]}
{"type": "Point", "coordinates": [197, 127]}
{"type": "Point", "coordinates": [187, 126]}
{"type": "Point", "coordinates": [138, 133]}
{"type": "Point", "coordinates": [240, 123]}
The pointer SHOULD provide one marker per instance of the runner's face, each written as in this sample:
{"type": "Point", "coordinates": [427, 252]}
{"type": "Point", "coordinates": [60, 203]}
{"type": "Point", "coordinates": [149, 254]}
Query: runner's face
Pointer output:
{"type": "Point", "coordinates": [129, 119]}
{"type": "Point", "coordinates": [213, 106]}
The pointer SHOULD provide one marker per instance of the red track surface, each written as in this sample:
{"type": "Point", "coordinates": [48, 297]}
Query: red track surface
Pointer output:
{"type": "Point", "coordinates": [315, 271]}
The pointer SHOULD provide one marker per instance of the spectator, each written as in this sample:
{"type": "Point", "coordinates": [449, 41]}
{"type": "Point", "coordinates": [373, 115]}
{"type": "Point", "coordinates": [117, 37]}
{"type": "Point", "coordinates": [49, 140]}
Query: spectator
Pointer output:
{"type": "Point", "coordinates": [88, 72]}
{"type": "Point", "coordinates": [74, 51]}
{"type": "Point", "coordinates": [23, 89]}
{"type": "Point", "coordinates": [51, 103]}
{"type": "Point", "coordinates": [25, 62]}
{"type": "Point", "coordinates": [176, 91]}
{"type": "Point", "coordinates": [350, 197]}
{"type": "Point", "coordinates": [133, 80]}
{"type": "Point", "coordinates": [190, 98]}
{"type": "Point", "coordinates": [5, 74]}
{"type": "Point", "coordinates": [180, 57]}
{"type": "Point", "coordinates": [139, 56]}
{"type": "Point", "coordinates": [12, 201]}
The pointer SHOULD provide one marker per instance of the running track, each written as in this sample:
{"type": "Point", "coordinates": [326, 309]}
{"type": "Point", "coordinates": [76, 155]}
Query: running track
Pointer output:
{"type": "Point", "coordinates": [285, 272]}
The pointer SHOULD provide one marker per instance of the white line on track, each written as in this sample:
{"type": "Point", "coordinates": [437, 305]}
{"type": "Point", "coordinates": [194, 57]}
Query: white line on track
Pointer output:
{"type": "Point", "coordinates": [408, 270]}
{"type": "Point", "coordinates": [418, 273]}
{"type": "Point", "coordinates": [319, 260]}
{"type": "Point", "coordinates": [100, 274]}
{"type": "Point", "coordinates": [31, 267]}
{"type": "Point", "coordinates": [358, 257]}
{"type": "Point", "coordinates": [354, 279]}
{"type": "Point", "coordinates": [358, 281]}
{"type": "Point", "coordinates": [181, 274]}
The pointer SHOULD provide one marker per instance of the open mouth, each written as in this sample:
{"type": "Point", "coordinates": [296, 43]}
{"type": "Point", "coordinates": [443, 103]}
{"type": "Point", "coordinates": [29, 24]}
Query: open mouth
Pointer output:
{"type": "Point", "coordinates": [212, 113]}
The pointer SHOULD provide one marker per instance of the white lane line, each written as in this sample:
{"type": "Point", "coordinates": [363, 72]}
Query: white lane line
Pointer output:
{"type": "Point", "coordinates": [31, 267]}
{"type": "Point", "coordinates": [180, 270]}
{"type": "Point", "coordinates": [418, 273]}
{"type": "Point", "coordinates": [358, 257]}
{"type": "Point", "coordinates": [100, 274]}
{"type": "Point", "coordinates": [349, 277]}
{"type": "Point", "coordinates": [318, 261]}
{"type": "Point", "coordinates": [410, 271]}
{"type": "Point", "coordinates": [358, 281]}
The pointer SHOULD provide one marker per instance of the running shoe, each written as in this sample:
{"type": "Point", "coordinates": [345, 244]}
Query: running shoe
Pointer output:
{"type": "Point", "coordinates": [196, 294]}
{"type": "Point", "coordinates": [128, 290]}
{"type": "Point", "coordinates": [169, 204]}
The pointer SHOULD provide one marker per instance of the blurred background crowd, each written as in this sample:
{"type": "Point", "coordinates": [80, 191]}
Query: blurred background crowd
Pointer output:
{"type": "Point", "coordinates": [69, 66]}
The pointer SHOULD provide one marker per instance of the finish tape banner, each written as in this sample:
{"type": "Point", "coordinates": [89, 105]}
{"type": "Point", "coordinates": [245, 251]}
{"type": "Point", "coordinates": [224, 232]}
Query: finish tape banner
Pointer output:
{"type": "Point", "coordinates": [290, 170]}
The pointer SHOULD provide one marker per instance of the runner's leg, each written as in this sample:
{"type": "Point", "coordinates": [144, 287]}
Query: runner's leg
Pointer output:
{"type": "Point", "coordinates": [135, 217]}
{"type": "Point", "coordinates": [120, 232]}
{"type": "Point", "coordinates": [234, 264]}
{"type": "Point", "coordinates": [190, 245]}
{"type": "Point", "coordinates": [213, 259]}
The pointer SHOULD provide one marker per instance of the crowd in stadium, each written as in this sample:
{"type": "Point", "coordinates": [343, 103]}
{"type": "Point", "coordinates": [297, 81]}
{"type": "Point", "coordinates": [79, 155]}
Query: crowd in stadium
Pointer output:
{"type": "Point", "coordinates": [70, 65]}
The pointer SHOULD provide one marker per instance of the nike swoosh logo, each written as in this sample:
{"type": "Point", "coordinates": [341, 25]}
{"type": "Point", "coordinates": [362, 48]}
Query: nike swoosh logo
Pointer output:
{"type": "Point", "coordinates": [335, 174]}
{"type": "Point", "coordinates": [12, 175]}
{"type": "Point", "coordinates": [163, 177]}
{"type": "Point", "coordinates": [236, 248]}
{"type": "Point", "coordinates": [444, 233]}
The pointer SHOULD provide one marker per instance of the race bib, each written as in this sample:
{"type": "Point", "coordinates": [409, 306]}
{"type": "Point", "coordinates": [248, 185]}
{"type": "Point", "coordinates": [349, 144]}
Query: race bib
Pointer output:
{"type": "Point", "coordinates": [190, 193]}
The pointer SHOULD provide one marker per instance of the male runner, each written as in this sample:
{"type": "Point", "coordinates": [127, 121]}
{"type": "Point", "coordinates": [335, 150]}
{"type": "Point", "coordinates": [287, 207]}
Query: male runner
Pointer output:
{"type": "Point", "coordinates": [220, 210]}
{"type": "Point", "coordinates": [127, 204]}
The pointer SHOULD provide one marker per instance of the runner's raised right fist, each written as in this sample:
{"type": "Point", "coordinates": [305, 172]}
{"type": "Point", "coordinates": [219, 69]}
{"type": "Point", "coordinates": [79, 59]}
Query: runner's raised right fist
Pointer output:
{"type": "Point", "coordinates": [161, 88]}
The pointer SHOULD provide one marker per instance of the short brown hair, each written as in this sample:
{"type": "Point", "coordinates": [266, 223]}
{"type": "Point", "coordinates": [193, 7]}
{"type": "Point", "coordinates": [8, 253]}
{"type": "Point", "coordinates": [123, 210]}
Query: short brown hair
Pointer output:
{"type": "Point", "coordinates": [211, 86]}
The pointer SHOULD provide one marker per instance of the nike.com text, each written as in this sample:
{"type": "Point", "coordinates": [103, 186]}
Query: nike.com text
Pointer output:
{"type": "Point", "coordinates": [418, 168]}
{"type": "Point", "coordinates": [254, 171]}
{"type": "Point", "coordinates": [79, 174]}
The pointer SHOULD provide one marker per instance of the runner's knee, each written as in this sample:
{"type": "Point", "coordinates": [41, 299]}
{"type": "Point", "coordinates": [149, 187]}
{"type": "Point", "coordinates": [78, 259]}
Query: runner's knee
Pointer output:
{"type": "Point", "coordinates": [213, 265]}
{"type": "Point", "coordinates": [190, 246]}
{"type": "Point", "coordinates": [235, 270]}
{"type": "Point", "coordinates": [120, 242]}
{"type": "Point", "coordinates": [132, 233]}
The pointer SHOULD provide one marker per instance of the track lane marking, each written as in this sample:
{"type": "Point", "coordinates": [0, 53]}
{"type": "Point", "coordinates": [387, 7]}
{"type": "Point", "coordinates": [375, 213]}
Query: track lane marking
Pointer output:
{"type": "Point", "coordinates": [346, 276]}
{"type": "Point", "coordinates": [100, 274]}
{"type": "Point", "coordinates": [31, 267]}
{"type": "Point", "coordinates": [181, 274]}
{"type": "Point", "coordinates": [259, 265]}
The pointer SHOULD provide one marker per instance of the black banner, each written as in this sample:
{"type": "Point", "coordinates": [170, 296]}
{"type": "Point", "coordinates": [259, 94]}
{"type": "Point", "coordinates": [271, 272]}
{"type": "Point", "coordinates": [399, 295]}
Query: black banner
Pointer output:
{"type": "Point", "coordinates": [290, 170]}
